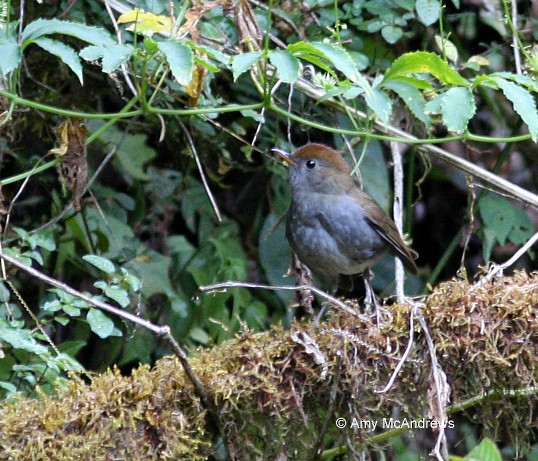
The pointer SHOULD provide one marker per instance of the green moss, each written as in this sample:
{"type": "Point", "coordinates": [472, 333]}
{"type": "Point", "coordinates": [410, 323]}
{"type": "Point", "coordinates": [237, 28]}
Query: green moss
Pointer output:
{"type": "Point", "coordinates": [276, 389]}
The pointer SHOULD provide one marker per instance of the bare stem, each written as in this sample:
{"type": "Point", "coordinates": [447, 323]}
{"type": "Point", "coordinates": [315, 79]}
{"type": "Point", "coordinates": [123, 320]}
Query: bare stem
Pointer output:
{"type": "Point", "coordinates": [237, 284]}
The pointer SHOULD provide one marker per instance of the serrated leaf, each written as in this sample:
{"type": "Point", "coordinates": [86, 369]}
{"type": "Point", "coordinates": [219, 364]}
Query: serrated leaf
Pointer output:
{"type": "Point", "coordinates": [39, 27]}
{"type": "Point", "coordinates": [523, 80]}
{"type": "Point", "coordinates": [67, 54]}
{"type": "Point", "coordinates": [286, 64]}
{"type": "Point", "coordinates": [380, 104]}
{"type": "Point", "coordinates": [497, 216]}
{"type": "Point", "coordinates": [242, 62]}
{"type": "Point", "coordinates": [114, 56]}
{"type": "Point", "coordinates": [424, 62]}
{"type": "Point", "coordinates": [99, 323]}
{"type": "Point", "coordinates": [340, 59]}
{"type": "Point", "coordinates": [11, 56]}
{"type": "Point", "coordinates": [92, 53]}
{"type": "Point", "coordinates": [457, 108]}
{"type": "Point", "coordinates": [523, 103]}
{"type": "Point", "coordinates": [101, 263]}
{"type": "Point", "coordinates": [391, 34]}
{"type": "Point", "coordinates": [486, 450]}
{"type": "Point", "coordinates": [180, 59]}
{"type": "Point", "coordinates": [428, 11]}
{"type": "Point", "coordinates": [306, 51]}
{"type": "Point", "coordinates": [522, 227]}
{"type": "Point", "coordinates": [411, 97]}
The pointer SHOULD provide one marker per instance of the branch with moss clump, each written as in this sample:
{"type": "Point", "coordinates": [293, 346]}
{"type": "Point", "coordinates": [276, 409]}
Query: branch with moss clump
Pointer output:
{"type": "Point", "coordinates": [275, 390]}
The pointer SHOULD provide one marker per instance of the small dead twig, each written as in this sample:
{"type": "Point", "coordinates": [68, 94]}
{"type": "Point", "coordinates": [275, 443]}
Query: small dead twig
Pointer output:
{"type": "Point", "coordinates": [407, 352]}
{"type": "Point", "coordinates": [201, 171]}
{"type": "Point", "coordinates": [441, 391]}
{"type": "Point", "coordinates": [500, 267]}
{"type": "Point", "coordinates": [223, 286]}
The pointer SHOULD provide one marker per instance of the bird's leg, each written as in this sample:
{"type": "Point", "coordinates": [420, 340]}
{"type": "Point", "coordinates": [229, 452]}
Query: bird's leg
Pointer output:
{"type": "Point", "coordinates": [370, 298]}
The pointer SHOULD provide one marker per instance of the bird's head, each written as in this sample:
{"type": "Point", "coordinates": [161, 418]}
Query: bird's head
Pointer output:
{"type": "Point", "coordinates": [316, 168]}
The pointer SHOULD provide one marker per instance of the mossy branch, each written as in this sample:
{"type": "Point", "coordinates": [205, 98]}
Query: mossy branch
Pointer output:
{"type": "Point", "coordinates": [275, 390]}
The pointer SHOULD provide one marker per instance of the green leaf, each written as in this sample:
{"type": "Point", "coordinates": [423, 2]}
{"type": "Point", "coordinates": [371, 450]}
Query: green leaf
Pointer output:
{"type": "Point", "coordinates": [428, 11]}
{"type": "Point", "coordinates": [43, 240]}
{"type": "Point", "coordinates": [523, 103]}
{"type": "Point", "coordinates": [133, 154]}
{"type": "Point", "coordinates": [180, 59]}
{"type": "Point", "coordinates": [286, 64]}
{"type": "Point", "coordinates": [391, 34]}
{"type": "Point", "coordinates": [503, 221]}
{"type": "Point", "coordinates": [38, 28]}
{"type": "Point", "coordinates": [447, 48]}
{"type": "Point", "coordinates": [380, 103]}
{"type": "Point", "coordinates": [411, 97]}
{"type": "Point", "coordinates": [373, 170]}
{"type": "Point", "coordinates": [242, 62]}
{"type": "Point", "coordinates": [484, 451]}
{"type": "Point", "coordinates": [522, 229]}
{"type": "Point", "coordinates": [11, 56]}
{"type": "Point", "coordinates": [424, 62]}
{"type": "Point", "coordinates": [64, 52]}
{"type": "Point", "coordinates": [113, 56]}
{"type": "Point", "coordinates": [340, 58]}
{"type": "Point", "coordinates": [275, 254]}
{"type": "Point", "coordinates": [523, 80]}
{"type": "Point", "coordinates": [324, 54]}
{"type": "Point", "coordinates": [92, 53]}
{"type": "Point", "coordinates": [118, 294]}
{"type": "Point", "coordinates": [457, 108]}
{"type": "Point", "coordinates": [497, 215]}
{"type": "Point", "coordinates": [101, 263]}
{"type": "Point", "coordinates": [99, 323]}
{"type": "Point", "coordinates": [199, 335]}
{"type": "Point", "coordinates": [21, 339]}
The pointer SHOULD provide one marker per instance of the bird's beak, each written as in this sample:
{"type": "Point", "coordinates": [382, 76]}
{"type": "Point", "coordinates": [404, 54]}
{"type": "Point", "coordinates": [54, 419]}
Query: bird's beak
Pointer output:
{"type": "Point", "coordinates": [286, 156]}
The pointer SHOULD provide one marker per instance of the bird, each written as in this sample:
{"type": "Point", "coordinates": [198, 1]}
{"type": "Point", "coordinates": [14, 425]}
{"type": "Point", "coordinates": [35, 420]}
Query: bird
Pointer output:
{"type": "Point", "coordinates": [336, 229]}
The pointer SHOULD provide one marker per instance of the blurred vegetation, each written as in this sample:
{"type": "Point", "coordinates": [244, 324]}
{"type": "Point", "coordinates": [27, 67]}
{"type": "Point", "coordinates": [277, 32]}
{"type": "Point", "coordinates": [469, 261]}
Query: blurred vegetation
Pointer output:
{"type": "Point", "coordinates": [134, 164]}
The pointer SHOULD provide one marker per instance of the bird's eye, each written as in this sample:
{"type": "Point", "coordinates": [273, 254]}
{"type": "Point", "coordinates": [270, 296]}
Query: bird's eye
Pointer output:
{"type": "Point", "coordinates": [310, 164]}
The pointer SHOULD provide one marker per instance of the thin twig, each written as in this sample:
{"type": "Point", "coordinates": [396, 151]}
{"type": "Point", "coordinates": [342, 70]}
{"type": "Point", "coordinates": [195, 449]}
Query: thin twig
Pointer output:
{"type": "Point", "coordinates": [500, 267]}
{"type": "Point", "coordinates": [223, 286]}
{"type": "Point", "coordinates": [515, 42]}
{"type": "Point", "coordinates": [17, 195]}
{"type": "Point", "coordinates": [440, 445]}
{"type": "Point", "coordinates": [119, 38]}
{"type": "Point", "coordinates": [201, 171]}
{"type": "Point", "coordinates": [407, 351]}
{"type": "Point", "coordinates": [398, 213]}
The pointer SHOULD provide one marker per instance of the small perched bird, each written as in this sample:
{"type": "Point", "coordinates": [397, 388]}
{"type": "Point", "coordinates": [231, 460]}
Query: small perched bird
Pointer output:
{"type": "Point", "coordinates": [334, 227]}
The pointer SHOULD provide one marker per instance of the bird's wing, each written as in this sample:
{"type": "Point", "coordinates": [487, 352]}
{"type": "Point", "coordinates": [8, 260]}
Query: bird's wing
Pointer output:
{"type": "Point", "coordinates": [387, 230]}
{"type": "Point", "coordinates": [378, 220]}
